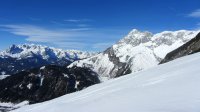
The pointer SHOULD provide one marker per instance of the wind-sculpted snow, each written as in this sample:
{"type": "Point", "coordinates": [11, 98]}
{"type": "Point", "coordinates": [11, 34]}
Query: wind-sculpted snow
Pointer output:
{"type": "Point", "coordinates": [170, 87]}
{"type": "Point", "coordinates": [135, 52]}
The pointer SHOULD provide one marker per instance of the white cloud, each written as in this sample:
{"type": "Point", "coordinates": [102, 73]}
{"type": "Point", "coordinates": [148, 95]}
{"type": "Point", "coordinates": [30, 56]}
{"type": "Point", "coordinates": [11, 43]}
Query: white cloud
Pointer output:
{"type": "Point", "coordinates": [72, 45]}
{"type": "Point", "coordinates": [64, 38]}
{"type": "Point", "coordinates": [83, 25]}
{"type": "Point", "coordinates": [79, 38]}
{"type": "Point", "coordinates": [72, 20]}
{"type": "Point", "coordinates": [195, 14]}
{"type": "Point", "coordinates": [102, 46]}
{"type": "Point", "coordinates": [38, 34]}
{"type": "Point", "coordinates": [78, 20]}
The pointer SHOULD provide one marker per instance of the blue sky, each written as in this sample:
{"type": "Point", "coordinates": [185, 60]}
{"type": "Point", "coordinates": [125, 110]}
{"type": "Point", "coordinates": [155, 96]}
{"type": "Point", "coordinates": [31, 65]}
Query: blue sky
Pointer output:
{"type": "Point", "coordinates": [90, 25]}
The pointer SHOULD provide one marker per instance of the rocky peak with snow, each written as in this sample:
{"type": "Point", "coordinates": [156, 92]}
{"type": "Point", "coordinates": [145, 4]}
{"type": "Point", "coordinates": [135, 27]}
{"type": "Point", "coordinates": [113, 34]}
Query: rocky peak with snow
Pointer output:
{"type": "Point", "coordinates": [169, 37]}
{"type": "Point", "coordinates": [24, 50]}
{"type": "Point", "coordinates": [135, 52]}
{"type": "Point", "coordinates": [13, 49]}
{"type": "Point", "coordinates": [188, 48]}
{"type": "Point", "coordinates": [136, 37]}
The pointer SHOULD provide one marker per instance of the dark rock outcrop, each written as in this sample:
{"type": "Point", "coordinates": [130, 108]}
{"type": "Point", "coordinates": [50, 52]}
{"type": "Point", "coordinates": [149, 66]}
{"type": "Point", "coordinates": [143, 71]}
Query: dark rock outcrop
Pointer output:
{"type": "Point", "coordinates": [188, 48]}
{"type": "Point", "coordinates": [46, 83]}
{"type": "Point", "coordinates": [122, 68]}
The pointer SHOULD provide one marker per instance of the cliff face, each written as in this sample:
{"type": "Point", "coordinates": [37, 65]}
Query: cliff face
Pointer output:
{"type": "Point", "coordinates": [188, 48]}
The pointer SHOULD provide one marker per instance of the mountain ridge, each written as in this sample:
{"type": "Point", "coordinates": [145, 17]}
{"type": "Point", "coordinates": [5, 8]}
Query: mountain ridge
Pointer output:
{"type": "Point", "coordinates": [188, 48]}
{"type": "Point", "coordinates": [136, 51]}
{"type": "Point", "coordinates": [27, 56]}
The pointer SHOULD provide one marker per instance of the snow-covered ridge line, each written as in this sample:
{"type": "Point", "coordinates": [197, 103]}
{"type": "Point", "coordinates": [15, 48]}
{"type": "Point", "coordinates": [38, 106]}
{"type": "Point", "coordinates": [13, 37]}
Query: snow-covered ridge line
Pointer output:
{"type": "Point", "coordinates": [16, 51]}
{"type": "Point", "coordinates": [166, 39]}
{"type": "Point", "coordinates": [27, 56]}
{"type": "Point", "coordinates": [137, 51]}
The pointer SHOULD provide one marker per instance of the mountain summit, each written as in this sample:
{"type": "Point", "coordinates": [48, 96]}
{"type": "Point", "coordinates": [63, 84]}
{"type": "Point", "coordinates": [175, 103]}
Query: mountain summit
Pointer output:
{"type": "Point", "coordinates": [136, 37]}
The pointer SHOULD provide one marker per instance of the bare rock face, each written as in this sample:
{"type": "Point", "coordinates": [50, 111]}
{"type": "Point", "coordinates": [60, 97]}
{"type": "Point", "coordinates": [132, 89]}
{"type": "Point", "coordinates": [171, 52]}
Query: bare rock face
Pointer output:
{"type": "Point", "coordinates": [46, 83]}
{"type": "Point", "coordinates": [188, 48]}
{"type": "Point", "coordinates": [119, 68]}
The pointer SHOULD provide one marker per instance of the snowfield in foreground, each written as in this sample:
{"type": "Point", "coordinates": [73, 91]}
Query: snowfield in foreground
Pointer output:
{"type": "Point", "coordinates": [171, 87]}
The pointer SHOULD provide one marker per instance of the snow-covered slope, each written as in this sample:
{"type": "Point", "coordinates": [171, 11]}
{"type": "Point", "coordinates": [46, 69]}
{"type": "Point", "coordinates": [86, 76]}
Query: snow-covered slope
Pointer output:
{"type": "Point", "coordinates": [135, 52]}
{"type": "Point", "coordinates": [167, 41]}
{"type": "Point", "coordinates": [191, 47]}
{"type": "Point", "coordinates": [27, 56]}
{"type": "Point", "coordinates": [170, 87]}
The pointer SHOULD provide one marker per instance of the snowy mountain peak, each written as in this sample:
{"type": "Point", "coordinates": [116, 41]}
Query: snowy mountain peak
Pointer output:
{"type": "Point", "coordinates": [24, 50]}
{"type": "Point", "coordinates": [172, 36]}
{"type": "Point", "coordinates": [26, 56]}
{"type": "Point", "coordinates": [13, 49]}
{"type": "Point", "coordinates": [134, 31]}
{"type": "Point", "coordinates": [136, 37]}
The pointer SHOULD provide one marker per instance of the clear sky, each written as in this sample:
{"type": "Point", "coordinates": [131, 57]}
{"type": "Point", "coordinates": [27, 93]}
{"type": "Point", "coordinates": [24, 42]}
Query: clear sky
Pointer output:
{"type": "Point", "coordinates": [90, 25]}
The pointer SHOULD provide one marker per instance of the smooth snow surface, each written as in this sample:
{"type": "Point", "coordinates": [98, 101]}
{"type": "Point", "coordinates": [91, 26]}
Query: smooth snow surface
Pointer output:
{"type": "Point", "coordinates": [171, 87]}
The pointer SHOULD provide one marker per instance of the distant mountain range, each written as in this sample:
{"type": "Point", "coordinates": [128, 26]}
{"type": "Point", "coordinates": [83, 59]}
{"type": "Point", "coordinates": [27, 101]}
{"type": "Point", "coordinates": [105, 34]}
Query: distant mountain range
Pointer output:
{"type": "Point", "coordinates": [27, 56]}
